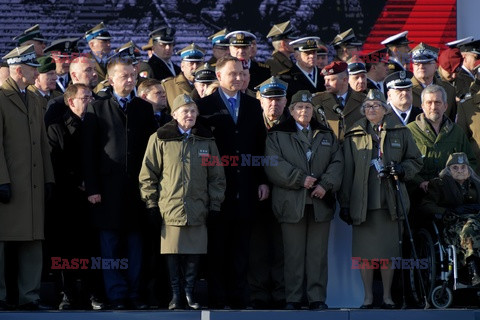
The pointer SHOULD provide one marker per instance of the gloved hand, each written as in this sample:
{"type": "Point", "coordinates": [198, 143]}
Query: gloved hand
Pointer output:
{"type": "Point", "coordinates": [154, 219]}
{"type": "Point", "coordinates": [449, 217]}
{"type": "Point", "coordinates": [399, 170]}
{"type": "Point", "coordinates": [49, 190]}
{"type": "Point", "coordinates": [345, 215]}
{"type": "Point", "coordinates": [5, 193]}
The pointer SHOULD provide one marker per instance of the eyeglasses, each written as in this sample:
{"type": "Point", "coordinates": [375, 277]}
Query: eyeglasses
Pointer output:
{"type": "Point", "coordinates": [372, 106]}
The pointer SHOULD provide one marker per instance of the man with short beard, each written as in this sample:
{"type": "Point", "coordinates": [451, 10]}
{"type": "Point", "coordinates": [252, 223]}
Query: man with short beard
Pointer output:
{"type": "Point", "coordinates": [192, 57]}
{"type": "Point", "coordinates": [82, 70]}
{"type": "Point", "coordinates": [45, 84]}
{"type": "Point", "coordinates": [339, 103]}
{"type": "Point", "coordinates": [304, 75]}
{"type": "Point", "coordinates": [114, 138]}
{"type": "Point", "coordinates": [436, 137]}
{"type": "Point", "coordinates": [424, 64]}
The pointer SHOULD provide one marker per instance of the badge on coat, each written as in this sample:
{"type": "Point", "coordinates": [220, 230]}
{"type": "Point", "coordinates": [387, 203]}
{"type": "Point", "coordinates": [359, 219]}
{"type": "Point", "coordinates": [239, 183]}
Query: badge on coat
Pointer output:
{"type": "Point", "coordinates": [203, 153]}
{"type": "Point", "coordinates": [395, 143]}
{"type": "Point", "coordinates": [326, 142]}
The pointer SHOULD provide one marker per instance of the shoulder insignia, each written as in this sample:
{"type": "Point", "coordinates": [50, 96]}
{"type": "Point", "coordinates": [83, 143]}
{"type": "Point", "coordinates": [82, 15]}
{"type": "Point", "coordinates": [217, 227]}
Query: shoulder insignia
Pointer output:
{"type": "Point", "coordinates": [283, 72]}
{"type": "Point", "coordinates": [263, 65]}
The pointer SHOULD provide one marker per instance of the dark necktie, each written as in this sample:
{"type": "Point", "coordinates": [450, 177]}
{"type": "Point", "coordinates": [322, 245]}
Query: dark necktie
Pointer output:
{"type": "Point", "coordinates": [123, 103]}
{"type": "Point", "coordinates": [61, 80]}
{"type": "Point", "coordinates": [404, 115]}
{"type": "Point", "coordinates": [305, 132]}
{"type": "Point", "coordinates": [340, 102]}
{"type": "Point", "coordinates": [23, 96]}
{"type": "Point", "coordinates": [311, 76]}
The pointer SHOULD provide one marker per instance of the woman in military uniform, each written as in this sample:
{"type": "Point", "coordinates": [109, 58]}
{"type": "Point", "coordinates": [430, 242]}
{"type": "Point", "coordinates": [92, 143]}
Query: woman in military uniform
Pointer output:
{"type": "Point", "coordinates": [454, 197]}
{"type": "Point", "coordinates": [308, 173]}
{"type": "Point", "coordinates": [180, 190]}
{"type": "Point", "coordinates": [367, 198]}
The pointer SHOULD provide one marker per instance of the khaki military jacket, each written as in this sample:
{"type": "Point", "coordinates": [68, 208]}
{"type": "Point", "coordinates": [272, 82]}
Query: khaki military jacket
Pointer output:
{"type": "Point", "coordinates": [396, 144]}
{"type": "Point", "coordinates": [468, 118]}
{"type": "Point", "coordinates": [175, 86]}
{"type": "Point", "coordinates": [279, 62]}
{"type": "Point", "coordinates": [176, 177]}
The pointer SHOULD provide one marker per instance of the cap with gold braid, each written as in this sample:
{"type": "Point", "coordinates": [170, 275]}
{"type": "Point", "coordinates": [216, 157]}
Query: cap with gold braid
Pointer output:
{"type": "Point", "coordinates": [32, 33]}
{"type": "Point", "coordinates": [281, 31]}
{"type": "Point", "coordinates": [164, 34]}
{"type": "Point", "coordinates": [128, 50]}
{"type": "Point", "coordinates": [306, 44]}
{"type": "Point", "coordinates": [240, 38]}
{"type": "Point", "coordinates": [99, 32]}
{"type": "Point", "coordinates": [205, 73]}
{"type": "Point", "coordinates": [22, 55]}
{"type": "Point", "coordinates": [63, 48]}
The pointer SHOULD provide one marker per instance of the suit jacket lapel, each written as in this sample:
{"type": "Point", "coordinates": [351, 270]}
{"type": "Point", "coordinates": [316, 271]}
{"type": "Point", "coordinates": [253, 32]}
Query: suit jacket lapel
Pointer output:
{"type": "Point", "coordinates": [13, 93]}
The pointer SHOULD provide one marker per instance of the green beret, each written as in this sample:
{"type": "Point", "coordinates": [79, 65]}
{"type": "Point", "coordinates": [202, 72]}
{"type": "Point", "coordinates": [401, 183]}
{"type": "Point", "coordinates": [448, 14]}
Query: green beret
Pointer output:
{"type": "Point", "coordinates": [46, 64]}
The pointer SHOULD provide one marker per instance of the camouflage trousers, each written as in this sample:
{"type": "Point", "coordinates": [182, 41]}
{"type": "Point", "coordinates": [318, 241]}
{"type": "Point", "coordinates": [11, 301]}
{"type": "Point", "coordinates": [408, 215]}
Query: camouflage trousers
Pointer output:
{"type": "Point", "coordinates": [464, 234]}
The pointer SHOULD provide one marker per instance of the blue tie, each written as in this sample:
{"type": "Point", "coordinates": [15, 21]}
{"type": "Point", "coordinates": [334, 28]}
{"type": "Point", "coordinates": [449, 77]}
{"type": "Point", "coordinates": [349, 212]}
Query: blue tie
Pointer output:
{"type": "Point", "coordinates": [123, 103]}
{"type": "Point", "coordinates": [233, 107]}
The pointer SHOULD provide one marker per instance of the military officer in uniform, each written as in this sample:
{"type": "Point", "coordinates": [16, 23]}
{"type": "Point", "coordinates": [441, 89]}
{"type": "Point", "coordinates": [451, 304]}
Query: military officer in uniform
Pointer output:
{"type": "Point", "coordinates": [357, 75]}
{"type": "Point", "coordinates": [148, 47]}
{"type": "Point", "coordinates": [273, 100]}
{"type": "Point", "coordinates": [424, 59]}
{"type": "Point", "coordinates": [219, 46]}
{"type": "Point", "coordinates": [281, 59]}
{"type": "Point", "coordinates": [240, 47]}
{"type": "Point", "coordinates": [339, 104]}
{"type": "Point", "coordinates": [449, 65]}
{"type": "Point", "coordinates": [399, 86]}
{"type": "Point", "coordinates": [322, 56]}
{"type": "Point", "coordinates": [98, 39]}
{"type": "Point", "coordinates": [192, 57]}
{"type": "Point", "coordinates": [304, 75]}
{"type": "Point", "coordinates": [468, 118]}
{"type": "Point", "coordinates": [376, 64]}
{"type": "Point", "coordinates": [26, 177]}
{"type": "Point", "coordinates": [32, 36]}
{"type": "Point", "coordinates": [163, 42]}
{"type": "Point", "coordinates": [346, 45]}
{"type": "Point", "coordinates": [63, 51]}
{"type": "Point", "coordinates": [471, 54]}
{"type": "Point", "coordinates": [398, 47]}
{"type": "Point", "coordinates": [204, 76]}
{"type": "Point", "coordinates": [45, 84]}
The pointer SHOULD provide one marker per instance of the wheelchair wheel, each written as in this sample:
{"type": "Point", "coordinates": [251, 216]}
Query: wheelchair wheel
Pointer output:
{"type": "Point", "coordinates": [442, 298]}
{"type": "Point", "coordinates": [425, 250]}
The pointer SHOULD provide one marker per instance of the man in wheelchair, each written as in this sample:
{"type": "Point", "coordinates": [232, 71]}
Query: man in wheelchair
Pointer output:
{"type": "Point", "coordinates": [453, 199]}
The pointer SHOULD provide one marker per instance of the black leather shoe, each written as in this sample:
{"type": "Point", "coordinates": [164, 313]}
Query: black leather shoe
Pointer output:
{"type": "Point", "coordinates": [292, 306]}
{"type": "Point", "coordinates": [65, 304]}
{"type": "Point", "coordinates": [317, 305]}
{"type": "Point", "coordinates": [35, 306]}
{"type": "Point", "coordinates": [388, 306]}
{"type": "Point", "coordinates": [138, 304]}
{"type": "Point", "coordinates": [191, 302]}
{"type": "Point", "coordinates": [366, 306]}
{"type": "Point", "coordinates": [175, 303]}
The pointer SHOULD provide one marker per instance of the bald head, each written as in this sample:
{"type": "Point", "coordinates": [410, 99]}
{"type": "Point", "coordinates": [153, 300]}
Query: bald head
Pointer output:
{"type": "Point", "coordinates": [82, 70]}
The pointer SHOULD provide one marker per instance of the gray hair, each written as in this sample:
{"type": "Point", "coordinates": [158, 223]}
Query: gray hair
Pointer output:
{"type": "Point", "coordinates": [447, 172]}
{"type": "Point", "coordinates": [386, 106]}
{"type": "Point", "coordinates": [433, 88]}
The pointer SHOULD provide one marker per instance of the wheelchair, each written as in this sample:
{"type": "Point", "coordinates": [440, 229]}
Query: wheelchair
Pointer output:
{"type": "Point", "coordinates": [444, 274]}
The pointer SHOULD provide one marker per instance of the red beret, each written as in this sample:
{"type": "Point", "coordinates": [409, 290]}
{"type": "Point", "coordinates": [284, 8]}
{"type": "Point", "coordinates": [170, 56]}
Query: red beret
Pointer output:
{"type": "Point", "coordinates": [334, 68]}
{"type": "Point", "coordinates": [450, 59]}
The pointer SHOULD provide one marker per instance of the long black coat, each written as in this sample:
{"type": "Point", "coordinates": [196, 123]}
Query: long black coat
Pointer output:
{"type": "Point", "coordinates": [297, 80]}
{"type": "Point", "coordinates": [56, 109]}
{"type": "Point", "coordinates": [246, 137]}
{"type": "Point", "coordinates": [114, 144]}
{"type": "Point", "coordinates": [160, 69]}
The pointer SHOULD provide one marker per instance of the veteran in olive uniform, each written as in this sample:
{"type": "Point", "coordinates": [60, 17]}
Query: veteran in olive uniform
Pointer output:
{"type": "Point", "coordinates": [98, 39]}
{"type": "Point", "coordinates": [308, 173]}
{"type": "Point", "coordinates": [192, 57]}
{"type": "Point", "coordinates": [468, 118]}
{"type": "Point", "coordinates": [367, 197]}
{"type": "Point", "coordinates": [26, 176]}
{"type": "Point", "coordinates": [181, 191]}
{"type": "Point", "coordinates": [339, 104]}
{"type": "Point", "coordinates": [281, 59]}
{"type": "Point", "coordinates": [424, 59]}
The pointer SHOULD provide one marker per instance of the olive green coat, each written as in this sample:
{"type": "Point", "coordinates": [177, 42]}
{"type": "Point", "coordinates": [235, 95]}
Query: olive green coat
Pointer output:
{"type": "Point", "coordinates": [24, 163]}
{"type": "Point", "coordinates": [468, 118]}
{"type": "Point", "coordinates": [175, 86]}
{"type": "Point", "coordinates": [174, 178]}
{"type": "Point", "coordinates": [397, 145]}
{"type": "Point", "coordinates": [435, 149]}
{"type": "Point", "coordinates": [284, 143]}
{"type": "Point", "coordinates": [279, 62]}
{"type": "Point", "coordinates": [449, 89]}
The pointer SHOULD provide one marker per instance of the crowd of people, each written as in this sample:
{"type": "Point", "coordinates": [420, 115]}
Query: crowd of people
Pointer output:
{"type": "Point", "coordinates": [117, 172]}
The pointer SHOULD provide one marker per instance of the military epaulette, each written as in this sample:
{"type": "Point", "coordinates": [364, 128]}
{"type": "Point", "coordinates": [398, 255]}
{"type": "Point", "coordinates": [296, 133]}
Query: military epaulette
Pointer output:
{"type": "Point", "coordinates": [167, 79]}
{"type": "Point", "coordinates": [283, 72]}
{"type": "Point", "coordinates": [263, 65]}
{"type": "Point", "coordinates": [105, 82]}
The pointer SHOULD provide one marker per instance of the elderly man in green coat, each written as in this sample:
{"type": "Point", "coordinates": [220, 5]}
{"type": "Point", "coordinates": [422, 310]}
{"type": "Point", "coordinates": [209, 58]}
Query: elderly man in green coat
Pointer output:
{"type": "Point", "coordinates": [26, 176]}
